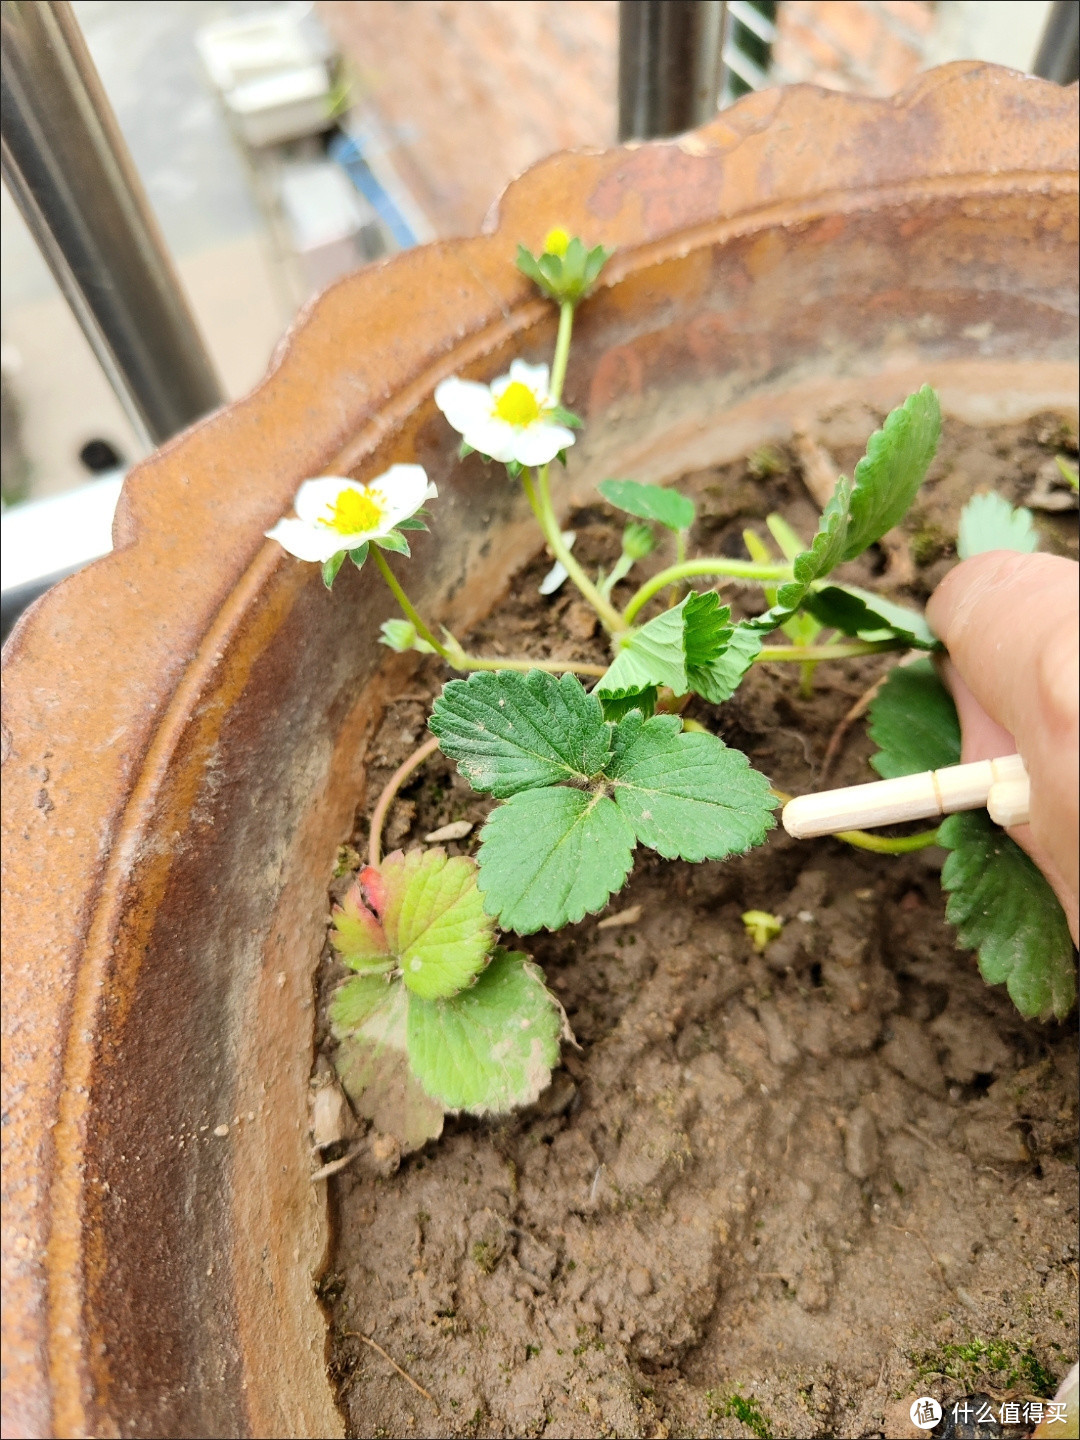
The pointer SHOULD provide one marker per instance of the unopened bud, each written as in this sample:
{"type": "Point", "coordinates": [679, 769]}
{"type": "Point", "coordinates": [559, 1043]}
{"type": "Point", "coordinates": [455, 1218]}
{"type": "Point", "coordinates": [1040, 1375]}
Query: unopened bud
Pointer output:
{"type": "Point", "coordinates": [556, 241]}
{"type": "Point", "coordinates": [400, 635]}
{"type": "Point", "coordinates": [638, 540]}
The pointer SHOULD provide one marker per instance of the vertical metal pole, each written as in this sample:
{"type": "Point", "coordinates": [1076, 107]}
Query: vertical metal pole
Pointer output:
{"type": "Point", "coordinates": [669, 65]}
{"type": "Point", "coordinates": [70, 173]}
{"type": "Point", "coordinates": [1059, 50]}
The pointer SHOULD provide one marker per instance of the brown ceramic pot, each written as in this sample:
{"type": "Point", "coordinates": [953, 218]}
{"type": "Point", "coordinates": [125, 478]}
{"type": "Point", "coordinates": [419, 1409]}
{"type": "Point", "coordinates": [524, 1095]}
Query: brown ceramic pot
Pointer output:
{"type": "Point", "coordinates": [185, 721]}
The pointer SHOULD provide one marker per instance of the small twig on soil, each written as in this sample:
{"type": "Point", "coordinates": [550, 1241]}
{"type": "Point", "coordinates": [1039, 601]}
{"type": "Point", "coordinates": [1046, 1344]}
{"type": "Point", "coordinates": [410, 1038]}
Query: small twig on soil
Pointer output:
{"type": "Point", "coordinates": [819, 470]}
{"type": "Point", "coordinates": [393, 785]}
{"type": "Point", "coordinates": [358, 1335]}
{"type": "Point", "coordinates": [836, 739]}
{"type": "Point", "coordinates": [333, 1166]}
{"type": "Point", "coordinates": [900, 1230]}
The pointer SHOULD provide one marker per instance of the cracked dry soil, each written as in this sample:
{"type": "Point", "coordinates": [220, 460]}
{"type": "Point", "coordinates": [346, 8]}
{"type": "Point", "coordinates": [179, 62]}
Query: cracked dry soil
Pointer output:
{"type": "Point", "coordinates": [772, 1194]}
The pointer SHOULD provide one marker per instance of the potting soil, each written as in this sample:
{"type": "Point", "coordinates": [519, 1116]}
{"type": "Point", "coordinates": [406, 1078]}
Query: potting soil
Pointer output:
{"type": "Point", "coordinates": [770, 1194]}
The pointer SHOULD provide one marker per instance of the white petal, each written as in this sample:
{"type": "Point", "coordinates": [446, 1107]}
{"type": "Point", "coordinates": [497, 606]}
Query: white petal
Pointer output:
{"type": "Point", "coordinates": [539, 443]}
{"type": "Point", "coordinates": [492, 437]}
{"type": "Point", "coordinates": [555, 577]}
{"type": "Point", "coordinates": [462, 401]}
{"type": "Point", "coordinates": [536, 377]}
{"type": "Point", "coordinates": [315, 498]}
{"type": "Point", "coordinates": [405, 488]}
{"type": "Point", "coordinates": [307, 542]}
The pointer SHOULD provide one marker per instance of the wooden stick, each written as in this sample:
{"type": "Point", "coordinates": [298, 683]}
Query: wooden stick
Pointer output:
{"type": "Point", "coordinates": [914, 797]}
{"type": "Point", "coordinates": [1009, 802]}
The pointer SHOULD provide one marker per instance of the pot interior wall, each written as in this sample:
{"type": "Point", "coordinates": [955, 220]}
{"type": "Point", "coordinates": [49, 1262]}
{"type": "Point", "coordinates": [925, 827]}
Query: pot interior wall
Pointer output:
{"type": "Point", "coordinates": [207, 1243]}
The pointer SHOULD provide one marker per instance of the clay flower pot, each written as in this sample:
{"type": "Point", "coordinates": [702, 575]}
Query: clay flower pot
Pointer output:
{"type": "Point", "coordinates": [185, 722]}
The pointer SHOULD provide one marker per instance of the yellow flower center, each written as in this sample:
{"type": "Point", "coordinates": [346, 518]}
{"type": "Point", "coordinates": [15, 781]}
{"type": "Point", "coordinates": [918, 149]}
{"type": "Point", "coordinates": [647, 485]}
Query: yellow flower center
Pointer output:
{"type": "Point", "coordinates": [355, 511]}
{"type": "Point", "coordinates": [517, 405]}
{"type": "Point", "coordinates": [556, 241]}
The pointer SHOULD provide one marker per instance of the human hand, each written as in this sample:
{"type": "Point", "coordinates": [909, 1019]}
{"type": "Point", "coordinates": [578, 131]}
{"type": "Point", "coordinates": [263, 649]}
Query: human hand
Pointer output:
{"type": "Point", "coordinates": [1011, 625]}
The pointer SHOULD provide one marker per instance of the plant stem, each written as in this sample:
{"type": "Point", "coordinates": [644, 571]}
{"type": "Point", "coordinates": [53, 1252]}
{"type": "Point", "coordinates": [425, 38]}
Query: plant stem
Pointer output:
{"type": "Point", "coordinates": [562, 350]}
{"type": "Point", "coordinates": [883, 845]}
{"type": "Point", "coordinates": [393, 785]}
{"type": "Point", "coordinates": [707, 565]}
{"type": "Point", "coordinates": [407, 606]}
{"type": "Point", "coordinates": [680, 559]}
{"type": "Point", "coordinates": [610, 618]}
{"type": "Point", "coordinates": [813, 653]}
{"type": "Point", "coordinates": [552, 667]}
{"type": "Point", "coordinates": [530, 495]}
{"type": "Point", "coordinates": [879, 844]}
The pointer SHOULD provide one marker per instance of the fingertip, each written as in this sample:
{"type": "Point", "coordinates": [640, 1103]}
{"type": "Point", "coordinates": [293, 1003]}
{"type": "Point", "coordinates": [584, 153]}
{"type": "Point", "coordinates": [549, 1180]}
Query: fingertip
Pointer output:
{"type": "Point", "coordinates": [967, 584]}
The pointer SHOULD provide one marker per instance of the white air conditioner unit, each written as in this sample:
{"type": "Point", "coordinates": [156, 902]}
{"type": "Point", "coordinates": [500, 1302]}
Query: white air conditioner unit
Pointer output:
{"type": "Point", "coordinates": [273, 72]}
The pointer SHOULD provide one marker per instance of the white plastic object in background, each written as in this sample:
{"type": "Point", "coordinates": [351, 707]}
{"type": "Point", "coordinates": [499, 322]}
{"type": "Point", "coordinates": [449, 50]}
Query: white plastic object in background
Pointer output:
{"type": "Point", "coordinates": [57, 534]}
{"type": "Point", "coordinates": [272, 71]}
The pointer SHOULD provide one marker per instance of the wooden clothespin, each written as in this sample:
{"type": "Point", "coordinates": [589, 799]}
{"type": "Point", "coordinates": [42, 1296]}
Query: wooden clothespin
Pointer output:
{"type": "Point", "coordinates": [1001, 785]}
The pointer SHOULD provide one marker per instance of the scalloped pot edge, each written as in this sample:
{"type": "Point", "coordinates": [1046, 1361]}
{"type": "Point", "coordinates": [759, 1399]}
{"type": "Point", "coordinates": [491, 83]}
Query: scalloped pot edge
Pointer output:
{"type": "Point", "coordinates": [185, 721]}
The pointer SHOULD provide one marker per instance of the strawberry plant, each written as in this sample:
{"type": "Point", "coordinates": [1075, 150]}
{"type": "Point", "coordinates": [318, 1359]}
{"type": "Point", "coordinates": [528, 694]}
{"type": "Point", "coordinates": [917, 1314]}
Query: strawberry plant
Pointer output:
{"type": "Point", "coordinates": [587, 762]}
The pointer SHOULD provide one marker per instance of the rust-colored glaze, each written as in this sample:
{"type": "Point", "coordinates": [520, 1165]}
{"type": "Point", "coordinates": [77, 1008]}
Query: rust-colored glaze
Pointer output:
{"type": "Point", "coordinates": [185, 721]}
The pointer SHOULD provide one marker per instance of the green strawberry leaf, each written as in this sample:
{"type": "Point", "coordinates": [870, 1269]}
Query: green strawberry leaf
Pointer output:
{"type": "Point", "coordinates": [369, 1019]}
{"type": "Point", "coordinates": [433, 917]}
{"type": "Point", "coordinates": [825, 553]}
{"type": "Point", "coordinates": [888, 476]}
{"type": "Point", "coordinates": [718, 681]}
{"type": "Point", "coordinates": [358, 938]}
{"type": "Point", "coordinates": [492, 1048]}
{"type": "Point", "coordinates": [869, 616]}
{"type": "Point", "coordinates": [650, 656]}
{"type": "Point", "coordinates": [616, 706]}
{"type": "Point", "coordinates": [511, 732]}
{"type": "Point", "coordinates": [1003, 907]}
{"type": "Point", "coordinates": [359, 555]}
{"type": "Point", "coordinates": [687, 795]}
{"type": "Point", "coordinates": [650, 502]}
{"type": "Point", "coordinates": [861, 511]}
{"type": "Point", "coordinates": [548, 857]}
{"type": "Point", "coordinates": [998, 900]}
{"type": "Point", "coordinates": [686, 639]}
{"type": "Point", "coordinates": [913, 722]}
{"type": "Point", "coordinates": [989, 522]}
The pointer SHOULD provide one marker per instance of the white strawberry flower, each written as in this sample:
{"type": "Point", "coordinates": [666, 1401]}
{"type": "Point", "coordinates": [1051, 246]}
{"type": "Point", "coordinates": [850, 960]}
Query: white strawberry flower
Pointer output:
{"type": "Point", "coordinates": [514, 420]}
{"type": "Point", "coordinates": [334, 514]}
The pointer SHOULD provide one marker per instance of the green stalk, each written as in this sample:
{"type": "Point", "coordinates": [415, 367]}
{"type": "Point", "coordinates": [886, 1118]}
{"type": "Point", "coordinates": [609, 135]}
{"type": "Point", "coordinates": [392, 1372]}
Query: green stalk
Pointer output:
{"type": "Point", "coordinates": [562, 350]}
{"type": "Point", "coordinates": [813, 653]}
{"type": "Point", "coordinates": [552, 667]}
{"type": "Point", "coordinates": [707, 565]}
{"type": "Point", "coordinates": [610, 618]}
{"type": "Point", "coordinates": [680, 559]}
{"type": "Point", "coordinates": [882, 845]}
{"type": "Point", "coordinates": [407, 606]}
{"type": "Point", "coordinates": [457, 658]}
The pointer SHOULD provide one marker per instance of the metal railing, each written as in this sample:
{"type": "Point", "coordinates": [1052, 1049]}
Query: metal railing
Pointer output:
{"type": "Point", "coordinates": [670, 65]}
{"type": "Point", "coordinates": [69, 171]}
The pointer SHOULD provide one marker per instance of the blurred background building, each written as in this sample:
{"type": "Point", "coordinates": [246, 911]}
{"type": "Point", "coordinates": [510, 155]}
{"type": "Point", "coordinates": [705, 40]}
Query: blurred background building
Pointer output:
{"type": "Point", "coordinates": [282, 145]}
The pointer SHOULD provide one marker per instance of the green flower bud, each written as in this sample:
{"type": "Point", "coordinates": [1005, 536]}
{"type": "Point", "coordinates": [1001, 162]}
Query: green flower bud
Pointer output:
{"type": "Point", "coordinates": [400, 635]}
{"type": "Point", "coordinates": [564, 270]}
{"type": "Point", "coordinates": [638, 540]}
